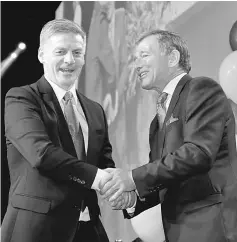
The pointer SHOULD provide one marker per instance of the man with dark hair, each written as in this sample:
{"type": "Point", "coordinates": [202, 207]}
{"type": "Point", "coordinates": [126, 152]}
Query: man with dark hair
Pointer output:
{"type": "Point", "coordinates": [192, 169]}
{"type": "Point", "coordinates": [57, 145]}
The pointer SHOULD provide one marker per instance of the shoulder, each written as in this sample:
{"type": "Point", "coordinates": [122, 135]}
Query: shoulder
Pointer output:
{"type": "Point", "coordinates": [27, 92]}
{"type": "Point", "coordinates": [204, 82]}
{"type": "Point", "coordinates": [89, 101]}
{"type": "Point", "coordinates": [18, 91]}
{"type": "Point", "coordinates": [203, 92]}
{"type": "Point", "coordinates": [203, 86]}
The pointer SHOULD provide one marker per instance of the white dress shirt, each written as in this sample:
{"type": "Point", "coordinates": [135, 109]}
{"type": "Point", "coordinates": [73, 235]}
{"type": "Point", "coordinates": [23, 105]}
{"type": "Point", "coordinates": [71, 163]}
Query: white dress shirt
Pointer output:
{"type": "Point", "coordinates": [170, 87]}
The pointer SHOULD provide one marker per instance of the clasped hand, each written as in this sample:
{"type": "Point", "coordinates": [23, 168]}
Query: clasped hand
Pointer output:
{"type": "Point", "coordinates": [118, 189]}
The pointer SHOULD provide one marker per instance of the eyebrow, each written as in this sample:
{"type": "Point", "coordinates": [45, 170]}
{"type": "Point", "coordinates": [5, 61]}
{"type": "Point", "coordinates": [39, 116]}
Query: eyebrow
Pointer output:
{"type": "Point", "coordinates": [63, 48]}
{"type": "Point", "coordinates": [142, 51]}
{"type": "Point", "coordinates": [79, 48]}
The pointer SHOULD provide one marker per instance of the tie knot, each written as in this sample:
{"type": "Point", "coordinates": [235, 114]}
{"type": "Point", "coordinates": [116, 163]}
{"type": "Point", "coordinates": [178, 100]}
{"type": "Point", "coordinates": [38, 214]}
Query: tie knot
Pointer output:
{"type": "Point", "coordinates": [68, 96]}
{"type": "Point", "coordinates": [162, 98]}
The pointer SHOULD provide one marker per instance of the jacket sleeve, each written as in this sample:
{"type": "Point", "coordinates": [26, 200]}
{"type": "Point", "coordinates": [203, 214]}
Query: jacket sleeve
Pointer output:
{"type": "Point", "coordinates": [143, 204]}
{"type": "Point", "coordinates": [206, 115]}
{"type": "Point", "coordinates": [26, 131]}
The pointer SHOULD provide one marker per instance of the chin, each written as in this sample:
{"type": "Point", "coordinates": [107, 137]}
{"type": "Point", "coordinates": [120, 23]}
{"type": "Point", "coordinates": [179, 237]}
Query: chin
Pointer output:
{"type": "Point", "coordinates": [66, 83]}
{"type": "Point", "coordinates": [144, 83]}
{"type": "Point", "coordinates": [68, 79]}
{"type": "Point", "coordinates": [146, 86]}
{"type": "Point", "coordinates": [148, 83]}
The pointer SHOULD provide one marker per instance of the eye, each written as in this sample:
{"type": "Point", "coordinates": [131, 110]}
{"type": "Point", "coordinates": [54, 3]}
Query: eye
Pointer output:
{"type": "Point", "coordinates": [59, 52]}
{"type": "Point", "coordinates": [144, 55]}
{"type": "Point", "coordinates": [78, 53]}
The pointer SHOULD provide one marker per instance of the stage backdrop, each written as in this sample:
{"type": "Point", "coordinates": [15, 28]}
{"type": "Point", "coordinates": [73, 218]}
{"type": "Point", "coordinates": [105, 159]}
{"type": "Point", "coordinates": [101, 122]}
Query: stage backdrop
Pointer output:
{"type": "Point", "coordinates": [110, 79]}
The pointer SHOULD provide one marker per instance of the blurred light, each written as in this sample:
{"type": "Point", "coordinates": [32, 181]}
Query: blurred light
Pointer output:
{"type": "Point", "coordinates": [22, 46]}
{"type": "Point", "coordinates": [7, 62]}
{"type": "Point", "coordinates": [13, 55]}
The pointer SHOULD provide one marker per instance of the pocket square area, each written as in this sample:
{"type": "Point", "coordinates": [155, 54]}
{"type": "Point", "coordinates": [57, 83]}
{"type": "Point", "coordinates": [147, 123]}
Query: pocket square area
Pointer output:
{"type": "Point", "coordinates": [171, 120]}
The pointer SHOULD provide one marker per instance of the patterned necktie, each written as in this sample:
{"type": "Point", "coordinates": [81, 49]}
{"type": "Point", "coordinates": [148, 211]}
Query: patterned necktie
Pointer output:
{"type": "Point", "coordinates": [74, 128]}
{"type": "Point", "coordinates": [161, 110]}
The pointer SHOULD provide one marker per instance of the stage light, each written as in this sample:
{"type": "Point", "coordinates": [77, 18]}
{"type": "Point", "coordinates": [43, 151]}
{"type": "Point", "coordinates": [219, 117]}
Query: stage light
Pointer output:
{"type": "Point", "coordinates": [5, 64]}
{"type": "Point", "coordinates": [13, 55]}
{"type": "Point", "coordinates": [21, 45]}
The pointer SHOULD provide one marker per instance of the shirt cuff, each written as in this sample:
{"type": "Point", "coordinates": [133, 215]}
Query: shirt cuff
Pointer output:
{"type": "Point", "coordinates": [130, 175]}
{"type": "Point", "coordinates": [141, 199]}
{"type": "Point", "coordinates": [132, 209]}
{"type": "Point", "coordinates": [95, 185]}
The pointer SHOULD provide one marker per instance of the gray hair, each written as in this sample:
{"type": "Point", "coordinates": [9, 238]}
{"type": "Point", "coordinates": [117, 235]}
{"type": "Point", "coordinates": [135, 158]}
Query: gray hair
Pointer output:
{"type": "Point", "coordinates": [169, 41]}
{"type": "Point", "coordinates": [60, 26]}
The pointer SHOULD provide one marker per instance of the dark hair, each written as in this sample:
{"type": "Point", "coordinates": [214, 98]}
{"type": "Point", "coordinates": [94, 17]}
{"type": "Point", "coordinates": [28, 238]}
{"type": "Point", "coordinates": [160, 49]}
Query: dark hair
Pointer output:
{"type": "Point", "coordinates": [168, 42]}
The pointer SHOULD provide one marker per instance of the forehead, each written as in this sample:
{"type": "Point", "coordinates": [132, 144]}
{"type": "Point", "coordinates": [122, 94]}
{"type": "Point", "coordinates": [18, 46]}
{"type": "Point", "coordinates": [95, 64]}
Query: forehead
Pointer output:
{"type": "Point", "coordinates": [149, 44]}
{"type": "Point", "coordinates": [64, 40]}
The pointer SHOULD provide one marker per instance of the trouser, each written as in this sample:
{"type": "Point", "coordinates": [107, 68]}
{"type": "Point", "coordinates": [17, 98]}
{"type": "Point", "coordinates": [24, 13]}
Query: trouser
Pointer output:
{"type": "Point", "coordinates": [91, 231]}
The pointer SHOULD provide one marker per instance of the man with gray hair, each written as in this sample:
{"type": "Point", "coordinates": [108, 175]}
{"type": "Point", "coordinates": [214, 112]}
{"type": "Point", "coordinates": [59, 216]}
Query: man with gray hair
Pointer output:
{"type": "Point", "coordinates": [192, 169]}
{"type": "Point", "coordinates": [57, 147]}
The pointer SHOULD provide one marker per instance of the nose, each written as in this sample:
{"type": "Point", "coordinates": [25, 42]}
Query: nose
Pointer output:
{"type": "Point", "coordinates": [69, 58]}
{"type": "Point", "coordinates": [138, 68]}
{"type": "Point", "coordinates": [138, 64]}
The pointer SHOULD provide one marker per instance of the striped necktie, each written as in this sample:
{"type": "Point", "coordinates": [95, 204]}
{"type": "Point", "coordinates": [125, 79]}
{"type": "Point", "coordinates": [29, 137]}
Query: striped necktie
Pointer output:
{"type": "Point", "coordinates": [74, 128]}
{"type": "Point", "coordinates": [161, 110]}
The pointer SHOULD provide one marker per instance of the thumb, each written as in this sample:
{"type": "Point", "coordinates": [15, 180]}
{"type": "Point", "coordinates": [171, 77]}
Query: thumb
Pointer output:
{"type": "Point", "coordinates": [104, 180]}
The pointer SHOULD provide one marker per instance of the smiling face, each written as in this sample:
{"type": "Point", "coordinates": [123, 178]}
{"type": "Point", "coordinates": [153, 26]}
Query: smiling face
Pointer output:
{"type": "Point", "coordinates": [151, 64]}
{"type": "Point", "coordinates": [62, 56]}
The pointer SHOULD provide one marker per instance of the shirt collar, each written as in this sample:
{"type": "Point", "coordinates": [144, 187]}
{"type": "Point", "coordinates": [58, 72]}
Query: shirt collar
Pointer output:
{"type": "Point", "coordinates": [170, 87]}
{"type": "Point", "coordinates": [60, 92]}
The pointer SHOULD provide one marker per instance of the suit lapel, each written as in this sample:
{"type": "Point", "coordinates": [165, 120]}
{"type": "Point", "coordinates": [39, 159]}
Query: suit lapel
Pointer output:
{"type": "Point", "coordinates": [154, 126]}
{"type": "Point", "coordinates": [51, 100]}
{"type": "Point", "coordinates": [154, 139]}
{"type": "Point", "coordinates": [85, 107]}
{"type": "Point", "coordinates": [172, 105]}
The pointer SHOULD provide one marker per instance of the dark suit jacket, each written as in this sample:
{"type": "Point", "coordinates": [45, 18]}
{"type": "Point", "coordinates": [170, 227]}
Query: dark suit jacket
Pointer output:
{"type": "Point", "coordinates": [48, 182]}
{"type": "Point", "coordinates": [193, 165]}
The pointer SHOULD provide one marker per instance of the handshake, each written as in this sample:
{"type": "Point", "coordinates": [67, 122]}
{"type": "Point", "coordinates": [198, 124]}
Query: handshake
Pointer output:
{"type": "Point", "coordinates": [118, 188]}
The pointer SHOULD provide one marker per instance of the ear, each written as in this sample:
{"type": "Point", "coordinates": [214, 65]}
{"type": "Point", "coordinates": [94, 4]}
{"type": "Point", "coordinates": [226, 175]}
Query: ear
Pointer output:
{"type": "Point", "coordinates": [174, 57]}
{"type": "Point", "coordinates": [40, 55]}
